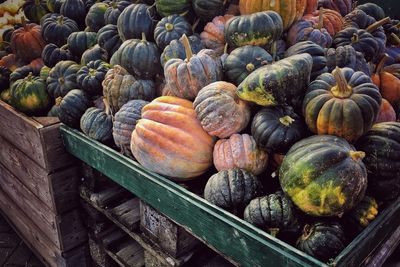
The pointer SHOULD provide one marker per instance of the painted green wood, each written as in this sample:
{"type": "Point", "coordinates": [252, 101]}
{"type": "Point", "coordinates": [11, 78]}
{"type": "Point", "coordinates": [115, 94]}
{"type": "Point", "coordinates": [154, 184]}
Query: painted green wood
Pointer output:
{"type": "Point", "coordinates": [224, 232]}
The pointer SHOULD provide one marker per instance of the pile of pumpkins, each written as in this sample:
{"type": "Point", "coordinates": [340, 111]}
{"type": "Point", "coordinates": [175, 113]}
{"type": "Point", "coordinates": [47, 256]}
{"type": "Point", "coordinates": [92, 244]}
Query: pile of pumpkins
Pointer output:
{"type": "Point", "coordinates": [285, 109]}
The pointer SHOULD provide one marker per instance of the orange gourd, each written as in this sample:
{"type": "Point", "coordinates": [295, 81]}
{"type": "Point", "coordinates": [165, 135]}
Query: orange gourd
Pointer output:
{"type": "Point", "coordinates": [388, 84]}
{"type": "Point", "coordinates": [212, 36]}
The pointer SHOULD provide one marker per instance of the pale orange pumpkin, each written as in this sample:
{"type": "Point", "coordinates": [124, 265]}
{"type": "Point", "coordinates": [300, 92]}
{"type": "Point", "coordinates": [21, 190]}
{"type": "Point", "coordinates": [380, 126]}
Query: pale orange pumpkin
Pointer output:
{"type": "Point", "coordinates": [213, 34]}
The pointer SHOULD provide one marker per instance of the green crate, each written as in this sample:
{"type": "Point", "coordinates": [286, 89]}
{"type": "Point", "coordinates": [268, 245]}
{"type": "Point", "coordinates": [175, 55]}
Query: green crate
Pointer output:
{"type": "Point", "coordinates": [229, 235]}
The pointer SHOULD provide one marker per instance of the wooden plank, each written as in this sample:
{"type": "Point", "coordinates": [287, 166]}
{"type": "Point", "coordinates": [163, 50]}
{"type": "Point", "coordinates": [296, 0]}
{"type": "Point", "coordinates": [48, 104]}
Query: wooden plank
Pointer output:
{"type": "Point", "coordinates": [131, 254]}
{"type": "Point", "coordinates": [237, 240]}
{"type": "Point", "coordinates": [128, 213]}
{"type": "Point", "coordinates": [46, 121]}
{"type": "Point", "coordinates": [72, 232]}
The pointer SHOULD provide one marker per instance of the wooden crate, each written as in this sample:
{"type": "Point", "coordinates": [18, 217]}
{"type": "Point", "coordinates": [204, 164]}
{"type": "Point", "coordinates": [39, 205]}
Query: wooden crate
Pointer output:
{"type": "Point", "coordinates": [39, 192]}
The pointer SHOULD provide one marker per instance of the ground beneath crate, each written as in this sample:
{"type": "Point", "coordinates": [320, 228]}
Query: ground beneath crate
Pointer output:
{"type": "Point", "coordinates": [13, 251]}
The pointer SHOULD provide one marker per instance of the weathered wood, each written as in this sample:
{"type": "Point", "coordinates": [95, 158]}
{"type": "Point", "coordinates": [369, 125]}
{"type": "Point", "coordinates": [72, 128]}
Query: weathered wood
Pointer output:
{"type": "Point", "coordinates": [99, 255]}
{"type": "Point", "coordinates": [128, 213]}
{"type": "Point", "coordinates": [79, 256]}
{"type": "Point", "coordinates": [72, 232]}
{"type": "Point", "coordinates": [92, 179]}
{"type": "Point", "coordinates": [20, 257]}
{"type": "Point", "coordinates": [115, 236]}
{"type": "Point", "coordinates": [131, 254]}
{"type": "Point", "coordinates": [64, 189]}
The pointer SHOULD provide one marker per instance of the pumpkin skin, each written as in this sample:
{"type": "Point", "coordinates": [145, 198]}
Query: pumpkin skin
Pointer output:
{"type": "Point", "coordinates": [362, 215]}
{"type": "Point", "coordinates": [212, 36]}
{"type": "Point", "coordinates": [265, 87]}
{"type": "Point", "coordinates": [387, 82]}
{"type": "Point", "coordinates": [72, 106]}
{"type": "Point", "coordinates": [135, 50]}
{"type": "Point", "coordinates": [170, 7]}
{"type": "Point", "coordinates": [52, 54]}
{"type": "Point", "coordinates": [261, 28]}
{"type": "Point", "coordinates": [316, 52]}
{"type": "Point", "coordinates": [381, 145]}
{"type": "Point", "coordinates": [108, 39]}
{"type": "Point", "coordinates": [322, 240]}
{"type": "Point", "coordinates": [276, 128]}
{"type": "Point", "coordinates": [232, 189]}
{"type": "Point", "coordinates": [125, 122]}
{"type": "Point", "coordinates": [323, 175]}
{"type": "Point", "coordinates": [34, 10]}
{"type": "Point", "coordinates": [206, 10]}
{"type": "Point", "coordinates": [56, 29]}
{"type": "Point", "coordinates": [75, 10]}
{"type": "Point", "coordinates": [172, 143]}
{"type": "Point", "coordinates": [386, 112]}
{"type": "Point", "coordinates": [373, 10]}
{"type": "Point", "coordinates": [119, 87]}
{"type": "Point", "coordinates": [6, 96]}
{"type": "Point", "coordinates": [346, 56]}
{"type": "Point", "coordinates": [114, 10]}
{"type": "Point", "coordinates": [175, 49]}
{"type": "Point", "coordinates": [62, 78]}
{"type": "Point", "coordinates": [79, 42]}
{"type": "Point", "coordinates": [344, 103]}
{"type": "Point", "coordinates": [274, 212]}
{"type": "Point", "coordinates": [358, 19]}
{"type": "Point", "coordinates": [4, 78]}
{"type": "Point", "coordinates": [342, 6]}
{"type": "Point", "coordinates": [29, 95]}
{"type": "Point", "coordinates": [244, 60]}
{"type": "Point", "coordinates": [306, 30]}
{"type": "Point", "coordinates": [171, 28]}
{"type": "Point", "coordinates": [27, 42]}
{"type": "Point", "coordinates": [239, 151]}
{"type": "Point", "coordinates": [127, 26]}
{"type": "Point", "coordinates": [91, 76]}
{"type": "Point", "coordinates": [11, 62]}
{"type": "Point", "coordinates": [333, 21]}
{"type": "Point", "coordinates": [22, 72]}
{"type": "Point", "coordinates": [94, 53]}
{"type": "Point", "coordinates": [95, 18]}
{"type": "Point", "coordinates": [97, 124]}
{"type": "Point", "coordinates": [311, 6]}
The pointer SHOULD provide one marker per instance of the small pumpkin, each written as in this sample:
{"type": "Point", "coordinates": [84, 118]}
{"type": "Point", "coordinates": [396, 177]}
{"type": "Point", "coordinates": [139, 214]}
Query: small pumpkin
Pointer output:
{"type": "Point", "coordinates": [91, 75]}
{"type": "Point", "coordinates": [239, 151]}
{"type": "Point", "coordinates": [72, 106]}
{"type": "Point", "coordinates": [333, 21]}
{"type": "Point", "coordinates": [171, 28]}
{"type": "Point", "coordinates": [56, 29]}
{"type": "Point", "coordinates": [11, 62]}
{"type": "Point", "coordinates": [342, 6]}
{"type": "Point", "coordinates": [75, 10]}
{"type": "Point", "coordinates": [53, 112]}
{"type": "Point", "coordinates": [62, 78]}
{"type": "Point", "coordinates": [97, 124]}
{"type": "Point", "coordinates": [346, 56]}
{"type": "Point", "coordinates": [212, 36]}
{"type": "Point", "coordinates": [34, 10]}
{"type": "Point", "coordinates": [4, 78]}
{"type": "Point", "coordinates": [94, 53]}
{"type": "Point", "coordinates": [22, 72]}
{"type": "Point", "coordinates": [322, 240]}
{"type": "Point", "coordinates": [95, 17]}
{"type": "Point", "coordinates": [170, 7]}
{"type": "Point", "coordinates": [52, 54]}
{"type": "Point", "coordinates": [386, 112]}
{"type": "Point", "coordinates": [362, 215]}
{"type": "Point", "coordinates": [324, 175]}
{"type": "Point", "coordinates": [232, 189]}
{"type": "Point", "coordinates": [172, 143]}
{"type": "Point", "coordinates": [108, 39]}
{"type": "Point", "coordinates": [176, 49]}
{"type": "Point", "coordinates": [44, 73]}
{"type": "Point", "coordinates": [114, 10]}
{"type": "Point", "coordinates": [79, 42]}
{"type": "Point", "coordinates": [373, 10]}
{"type": "Point", "coordinates": [5, 96]}
{"type": "Point", "coordinates": [206, 10]}
{"type": "Point", "coordinates": [358, 19]}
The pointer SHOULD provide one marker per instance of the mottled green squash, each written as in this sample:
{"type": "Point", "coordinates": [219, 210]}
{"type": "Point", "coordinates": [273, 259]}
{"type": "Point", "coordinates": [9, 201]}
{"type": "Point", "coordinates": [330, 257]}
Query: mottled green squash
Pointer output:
{"type": "Point", "coordinates": [169, 7]}
{"type": "Point", "coordinates": [361, 216]}
{"type": "Point", "coordinates": [79, 42]}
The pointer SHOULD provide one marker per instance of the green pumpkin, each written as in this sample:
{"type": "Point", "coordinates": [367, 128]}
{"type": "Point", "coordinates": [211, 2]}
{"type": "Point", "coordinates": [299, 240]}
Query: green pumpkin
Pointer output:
{"type": "Point", "coordinates": [97, 124]}
{"type": "Point", "coordinates": [95, 16]}
{"type": "Point", "coordinates": [75, 10]}
{"type": "Point", "coordinates": [108, 39]}
{"type": "Point", "coordinates": [171, 28]}
{"type": "Point", "coordinates": [53, 112]}
{"type": "Point", "coordinates": [56, 29]}
{"type": "Point", "coordinates": [170, 7]}
{"type": "Point", "coordinates": [34, 10]}
{"type": "Point", "coordinates": [206, 10]}
{"type": "Point", "coordinates": [322, 240]}
{"type": "Point", "coordinates": [94, 53]}
{"type": "Point", "coordinates": [52, 54]}
{"type": "Point", "coordinates": [244, 60]}
{"type": "Point", "coordinates": [91, 76]}
{"type": "Point", "coordinates": [79, 42]}
{"type": "Point", "coordinates": [176, 49]}
{"type": "Point", "coordinates": [113, 11]}
{"type": "Point", "coordinates": [261, 28]}
{"type": "Point", "coordinates": [4, 78]}
{"type": "Point", "coordinates": [44, 73]}
{"type": "Point", "coordinates": [29, 95]}
{"type": "Point", "coordinates": [72, 106]}
{"type": "Point", "coordinates": [62, 78]}
{"type": "Point", "coordinates": [5, 96]}
{"type": "Point", "coordinates": [361, 216]}
{"type": "Point", "coordinates": [382, 145]}
{"type": "Point", "coordinates": [283, 82]}
{"type": "Point", "coordinates": [324, 175]}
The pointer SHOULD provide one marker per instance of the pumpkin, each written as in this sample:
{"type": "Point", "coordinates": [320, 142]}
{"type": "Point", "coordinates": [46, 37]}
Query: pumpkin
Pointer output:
{"type": "Point", "coordinates": [186, 77]}
{"type": "Point", "coordinates": [56, 29]}
{"type": "Point", "coordinates": [95, 18]}
{"type": "Point", "coordinates": [44, 73]}
{"type": "Point", "coordinates": [342, 6]}
{"type": "Point", "coordinates": [97, 124]}
{"type": "Point", "coordinates": [72, 106]}
{"type": "Point", "coordinates": [311, 6]}
{"type": "Point", "coordinates": [265, 85]}
{"type": "Point", "coordinates": [91, 76]}
{"type": "Point", "coordinates": [392, 31]}
{"type": "Point", "coordinates": [323, 175]}
{"type": "Point", "coordinates": [372, 10]}
{"type": "Point", "coordinates": [127, 26]}
{"type": "Point", "coordinates": [317, 53]}
{"type": "Point", "coordinates": [75, 10]}
{"type": "Point", "coordinates": [79, 42]}
{"type": "Point", "coordinates": [6, 96]}
{"type": "Point", "coordinates": [170, 7]}
{"type": "Point", "coordinates": [244, 60]}
{"type": "Point", "coordinates": [54, 6]}
{"type": "Point", "coordinates": [322, 240]}
{"type": "Point", "coordinates": [169, 139]}
{"type": "Point", "coordinates": [22, 72]}
{"type": "Point", "coordinates": [386, 112]}
{"type": "Point", "coordinates": [53, 112]}
{"type": "Point", "coordinates": [4, 78]}
{"type": "Point", "coordinates": [11, 62]}
{"type": "Point", "coordinates": [261, 28]}
{"type": "Point", "coordinates": [382, 145]}
{"type": "Point", "coordinates": [346, 56]}
{"type": "Point", "coordinates": [388, 83]}
{"type": "Point", "coordinates": [136, 50]}
{"type": "Point", "coordinates": [333, 21]}
{"type": "Point", "coordinates": [276, 128]}
{"type": "Point", "coordinates": [114, 10]}
{"type": "Point", "coordinates": [34, 10]}
{"type": "Point", "coordinates": [171, 28]}
{"type": "Point", "coordinates": [274, 213]}
{"type": "Point", "coordinates": [232, 189]}
{"type": "Point", "coordinates": [358, 19]}
{"type": "Point", "coordinates": [125, 122]}
{"type": "Point", "coordinates": [212, 36]}
{"type": "Point", "coordinates": [29, 95]}
{"type": "Point", "coordinates": [285, 8]}
{"type": "Point", "coordinates": [206, 10]}
{"type": "Point", "coordinates": [239, 151]}
{"type": "Point", "coordinates": [94, 53]}
{"type": "Point", "coordinates": [62, 78]}
{"type": "Point", "coordinates": [176, 49]}
{"type": "Point", "coordinates": [344, 103]}
{"type": "Point", "coordinates": [27, 42]}
{"type": "Point", "coordinates": [362, 215]}
{"type": "Point", "coordinates": [108, 39]}
{"type": "Point", "coordinates": [52, 54]}
{"type": "Point", "coordinates": [119, 87]}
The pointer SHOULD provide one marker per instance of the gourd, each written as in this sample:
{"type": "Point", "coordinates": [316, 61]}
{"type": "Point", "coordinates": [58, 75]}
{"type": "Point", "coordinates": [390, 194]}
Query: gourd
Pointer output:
{"type": "Point", "coordinates": [90, 76]}
{"type": "Point", "coordinates": [72, 106]}
{"type": "Point", "coordinates": [62, 78]}
{"type": "Point", "coordinates": [97, 124]}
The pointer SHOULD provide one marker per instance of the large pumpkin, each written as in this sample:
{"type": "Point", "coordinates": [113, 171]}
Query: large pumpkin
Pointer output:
{"type": "Point", "coordinates": [79, 42]}
{"type": "Point", "coordinates": [95, 17]}
{"type": "Point", "coordinates": [169, 139]}
{"type": "Point", "coordinates": [34, 10]}
{"type": "Point", "coordinates": [324, 175]}
{"type": "Point", "coordinates": [74, 9]}
{"type": "Point", "coordinates": [344, 103]}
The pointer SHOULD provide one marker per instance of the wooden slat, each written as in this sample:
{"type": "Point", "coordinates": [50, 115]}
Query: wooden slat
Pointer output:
{"type": "Point", "coordinates": [237, 240]}
{"type": "Point", "coordinates": [64, 189]}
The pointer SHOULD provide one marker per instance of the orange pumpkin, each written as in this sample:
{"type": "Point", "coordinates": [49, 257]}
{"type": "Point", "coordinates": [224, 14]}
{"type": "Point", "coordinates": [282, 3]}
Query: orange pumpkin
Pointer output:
{"type": "Point", "coordinates": [37, 64]}
{"type": "Point", "coordinates": [169, 139]}
{"type": "Point", "coordinates": [386, 112]}
{"type": "Point", "coordinates": [11, 62]}
{"type": "Point", "coordinates": [311, 6]}
{"type": "Point", "coordinates": [213, 34]}
{"type": "Point", "coordinates": [388, 84]}
{"type": "Point", "coordinates": [300, 8]}
{"type": "Point", "coordinates": [333, 21]}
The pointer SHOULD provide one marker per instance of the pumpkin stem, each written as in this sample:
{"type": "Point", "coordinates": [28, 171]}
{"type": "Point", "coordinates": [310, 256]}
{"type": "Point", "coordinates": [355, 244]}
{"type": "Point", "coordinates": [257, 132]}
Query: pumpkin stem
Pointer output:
{"type": "Point", "coordinates": [29, 77]}
{"type": "Point", "coordinates": [226, 48]}
{"type": "Point", "coordinates": [61, 19]}
{"type": "Point", "coordinates": [342, 89]}
{"type": "Point", "coordinates": [169, 26]}
{"type": "Point", "coordinates": [320, 19]}
{"type": "Point", "coordinates": [107, 106]}
{"type": "Point", "coordinates": [306, 232]}
{"type": "Point", "coordinates": [144, 37]}
{"type": "Point", "coordinates": [355, 38]}
{"type": "Point", "coordinates": [186, 45]}
{"type": "Point", "coordinates": [286, 120]}
{"type": "Point", "coordinates": [274, 51]}
{"type": "Point", "coordinates": [273, 231]}
{"type": "Point", "coordinates": [395, 38]}
{"type": "Point", "coordinates": [381, 63]}
{"type": "Point", "coordinates": [357, 155]}
{"type": "Point", "coordinates": [377, 24]}
{"type": "Point", "coordinates": [196, 22]}
{"type": "Point", "coordinates": [250, 67]}
{"type": "Point", "coordinates": [58, 101]}
{"type": "Point", "coordinates": [23, 22]}
{"type": "Point", "coordinates": [184, 13]}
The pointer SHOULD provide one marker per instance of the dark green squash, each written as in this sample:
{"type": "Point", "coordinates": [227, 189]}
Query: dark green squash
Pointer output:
{"type": "Point", "coordinates": [75, 10]}
{"type": "Point", "coordinates": [381, 145]}
{"type": "Point", "coordinates": [277, 128]}
{"type": "Point", "coordinates": [22, 72]}
{"type": "Point", "coordinates": [62, 78]}
{"type": "Point", "coordinates": [346, 56]}
{"type": "Point", "coordinates": [91, 75]}
{"type": "Point", "coordinates": [114, 10]}
{"type": "Point", "coordinates": [171, 28]}
{"type": "Point", "coordinates": [244, 60]}
{"type": "Point", "coordinates": [322, 240]}
{"type": "Point", "coordinates": [206, 10]}
{"type": "Point", "coordinates": [94, 53]}
{"type": "Point", "coordinates": [97, 124]}
{"type": "Point", "coordinates": [4, 78]}
{"type": "Point", "coordinates": [361, 216]}
{"type": "Point", "coordinates": [79, 42]}
{"type": "Point", "coordinates": [175, 49]}
{"type": "Point", "coordinates": [56, 29]}
{"type": "Point", "coordinates": [170, 7]}
{"type": "Point", "coordinates": [283, 82]}
{"type": "Point", "coordinates": [261, 28]}
{"type": "Point", "coordinates": [324, 175]}
{"type": "Point", "coordinates": [95, 18]}
{"type": "Point", "coordinates": [108, 39]}
{"type": "Point", "coordinates": [232, 189]}
{"type": "Point", "coordinates": [373, 10]}
{"type": "Point", "coordinates": [72, 106]}
{"type": "Point", "coordinates": [52, 54]}
{"type": "Point", "coordinates": [34, 10]}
